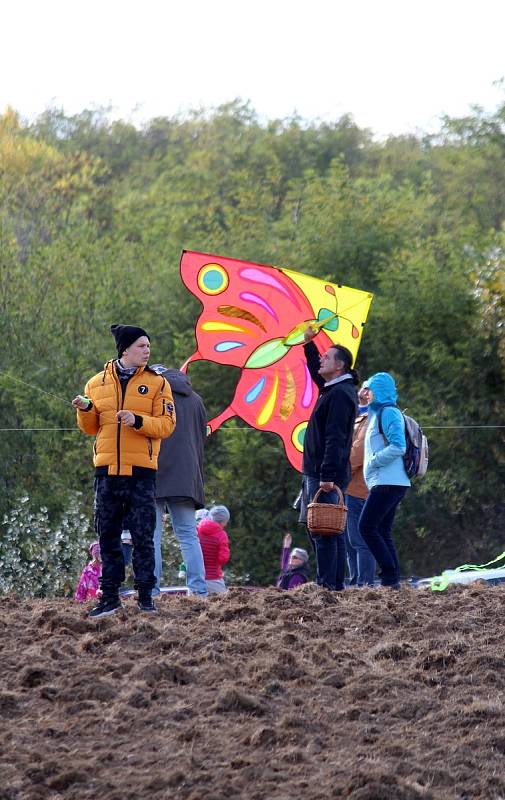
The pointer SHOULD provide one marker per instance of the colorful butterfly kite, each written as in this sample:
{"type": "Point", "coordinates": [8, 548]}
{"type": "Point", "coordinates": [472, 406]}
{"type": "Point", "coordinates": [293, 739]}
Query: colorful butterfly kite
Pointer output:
{"type": "Point", "coordinates": [254, 317]}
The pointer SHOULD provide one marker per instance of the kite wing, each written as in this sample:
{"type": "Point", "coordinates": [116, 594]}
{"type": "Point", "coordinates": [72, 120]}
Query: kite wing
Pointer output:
{"type": "Point", "coordinates": [254, 317]}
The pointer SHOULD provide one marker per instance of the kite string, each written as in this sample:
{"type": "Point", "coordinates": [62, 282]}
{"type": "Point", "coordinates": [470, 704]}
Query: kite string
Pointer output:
{"type": "Point", "coordinates": [227, 430]}
{"type": "Point", "coordinates": [37, 388]}
{"type": "Point", "coordinates": [456, 427]}
{"type": "Point", "coordinates": [255, 430]}
{"type": "Point", "coordinates": [69, 402]}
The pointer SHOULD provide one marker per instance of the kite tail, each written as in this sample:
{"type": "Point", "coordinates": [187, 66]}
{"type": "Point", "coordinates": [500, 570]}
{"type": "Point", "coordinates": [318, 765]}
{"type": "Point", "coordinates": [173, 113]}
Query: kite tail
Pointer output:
{"type": "Point", "coordinates": [216, 423]}
{"type": "Point", "coordinates": [440, 582]}
{"type": "Point", "coordinates": [195, 357]}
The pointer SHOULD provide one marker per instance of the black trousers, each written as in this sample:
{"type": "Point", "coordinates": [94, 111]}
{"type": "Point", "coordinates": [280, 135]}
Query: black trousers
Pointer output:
{"type": "Point", "coordinates": [376, 525]}
{"type": "Point", "coordinates": [117, 497]}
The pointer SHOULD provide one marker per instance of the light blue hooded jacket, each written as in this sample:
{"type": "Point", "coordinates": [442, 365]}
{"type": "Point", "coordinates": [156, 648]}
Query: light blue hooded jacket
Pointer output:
{"type": "Point", "coordinates": [383, 462]}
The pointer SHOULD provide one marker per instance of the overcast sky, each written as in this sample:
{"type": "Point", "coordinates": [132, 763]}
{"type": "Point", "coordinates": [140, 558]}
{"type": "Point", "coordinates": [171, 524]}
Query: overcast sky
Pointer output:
{"type": "Point", "coordinates": [395, 65]}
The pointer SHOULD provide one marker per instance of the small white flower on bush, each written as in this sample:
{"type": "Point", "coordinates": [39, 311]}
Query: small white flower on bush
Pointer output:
{"type": "Point", "coordinates": [39, 558]}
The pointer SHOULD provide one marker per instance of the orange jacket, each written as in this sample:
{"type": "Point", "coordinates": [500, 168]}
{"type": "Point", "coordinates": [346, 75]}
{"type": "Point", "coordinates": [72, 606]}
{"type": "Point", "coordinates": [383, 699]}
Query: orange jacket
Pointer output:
{"type": "Point", "coordinates": [120, 447]}
{"type": "Point", "coordinates": [357, 486]}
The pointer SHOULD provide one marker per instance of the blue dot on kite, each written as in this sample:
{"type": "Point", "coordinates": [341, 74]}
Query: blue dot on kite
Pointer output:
{"type": "Point", "coordinates": [223, 347]}
{"type": "Point", "coordinates": [213, 279]}
{"type": "Point", "coordinates": [256, 390]}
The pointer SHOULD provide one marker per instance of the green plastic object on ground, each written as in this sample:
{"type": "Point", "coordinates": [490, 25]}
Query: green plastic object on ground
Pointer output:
{"type": "Point", "coordinates": [440, 582]}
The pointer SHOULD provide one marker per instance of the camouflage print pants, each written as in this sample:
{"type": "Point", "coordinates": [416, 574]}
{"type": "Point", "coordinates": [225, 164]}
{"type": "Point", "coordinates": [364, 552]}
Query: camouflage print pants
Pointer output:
{"type": "Point", "coordinates": [117, 497]}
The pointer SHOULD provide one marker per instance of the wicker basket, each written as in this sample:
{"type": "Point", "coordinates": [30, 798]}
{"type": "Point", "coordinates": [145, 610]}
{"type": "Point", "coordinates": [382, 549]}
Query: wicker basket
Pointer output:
{"type": "Point", "coordinates": [326, 518]}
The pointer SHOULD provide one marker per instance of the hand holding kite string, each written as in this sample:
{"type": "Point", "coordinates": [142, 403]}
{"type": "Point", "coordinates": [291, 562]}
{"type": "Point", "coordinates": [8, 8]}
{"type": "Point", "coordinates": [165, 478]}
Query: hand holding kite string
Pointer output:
{"type": "Point", "coordinates": [81, 402]}
{"type": "Point", "coordinates": [254, 317]}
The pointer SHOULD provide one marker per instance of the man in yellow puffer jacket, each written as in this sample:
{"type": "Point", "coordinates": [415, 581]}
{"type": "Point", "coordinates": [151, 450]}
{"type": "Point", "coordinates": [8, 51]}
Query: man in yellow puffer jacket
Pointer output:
{"type": "Point", "coordinates": [129, 409]}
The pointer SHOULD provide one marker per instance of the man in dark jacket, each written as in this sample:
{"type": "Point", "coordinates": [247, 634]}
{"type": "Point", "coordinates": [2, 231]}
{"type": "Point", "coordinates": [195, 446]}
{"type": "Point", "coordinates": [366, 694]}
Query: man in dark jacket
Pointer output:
{"type": "Point", "coordinates": [179, 480]}
{"type": "Point", "coordinates": [327, 446]}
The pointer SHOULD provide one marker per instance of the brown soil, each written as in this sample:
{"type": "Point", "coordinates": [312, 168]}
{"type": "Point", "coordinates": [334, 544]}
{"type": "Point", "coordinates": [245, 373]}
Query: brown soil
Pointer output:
{"type": "Point", "coordinates": [368, 694]}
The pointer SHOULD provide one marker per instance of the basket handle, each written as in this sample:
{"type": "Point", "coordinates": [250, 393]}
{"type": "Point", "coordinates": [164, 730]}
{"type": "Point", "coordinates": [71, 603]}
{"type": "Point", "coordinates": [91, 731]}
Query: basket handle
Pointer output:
{"type": "Point", "coordinates": [335, 489]}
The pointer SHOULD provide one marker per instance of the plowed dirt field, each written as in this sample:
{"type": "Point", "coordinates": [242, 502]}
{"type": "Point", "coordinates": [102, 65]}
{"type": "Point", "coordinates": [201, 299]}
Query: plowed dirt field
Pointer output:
{"type": "Point", "coordinates": [368, 694]}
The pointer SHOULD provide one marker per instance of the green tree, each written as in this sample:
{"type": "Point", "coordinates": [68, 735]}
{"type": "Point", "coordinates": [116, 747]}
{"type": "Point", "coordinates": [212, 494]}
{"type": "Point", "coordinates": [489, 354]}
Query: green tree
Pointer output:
{"type": "Point", "coordinates": [94, 215]}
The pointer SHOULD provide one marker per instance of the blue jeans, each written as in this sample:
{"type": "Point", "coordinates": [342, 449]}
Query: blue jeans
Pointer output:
{"type": "Point", "coordinates": [375, 526]}
{"type": "Point", "coordinates": [182, 517]}
{"type": "Point", "coordinates": [329, 550]}
{"type": "Point", "coordinates": [127, 553]}
{"type": "Point", "coordinates": [360, 561]}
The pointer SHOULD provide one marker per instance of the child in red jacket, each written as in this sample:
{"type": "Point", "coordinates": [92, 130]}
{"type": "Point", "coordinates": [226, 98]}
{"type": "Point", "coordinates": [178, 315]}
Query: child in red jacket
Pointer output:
{"type": "Point", "coordinates": [215, 547]}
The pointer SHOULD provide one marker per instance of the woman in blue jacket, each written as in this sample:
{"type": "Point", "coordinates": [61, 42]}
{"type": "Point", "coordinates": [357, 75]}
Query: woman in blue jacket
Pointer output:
{"type": "Point", "coordinates": [384, 474]}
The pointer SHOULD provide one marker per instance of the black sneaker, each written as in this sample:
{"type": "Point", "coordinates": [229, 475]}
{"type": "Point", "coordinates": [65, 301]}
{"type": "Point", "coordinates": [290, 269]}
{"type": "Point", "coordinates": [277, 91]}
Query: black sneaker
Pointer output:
{"type": "Point", "coordinates": [106, 607]}
{"type": "Point", "coordinates": [146, 604]}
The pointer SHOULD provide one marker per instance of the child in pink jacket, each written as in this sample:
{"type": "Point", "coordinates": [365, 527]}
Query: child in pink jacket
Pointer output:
{"type": "Point", "coordinates": [89, 582]}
